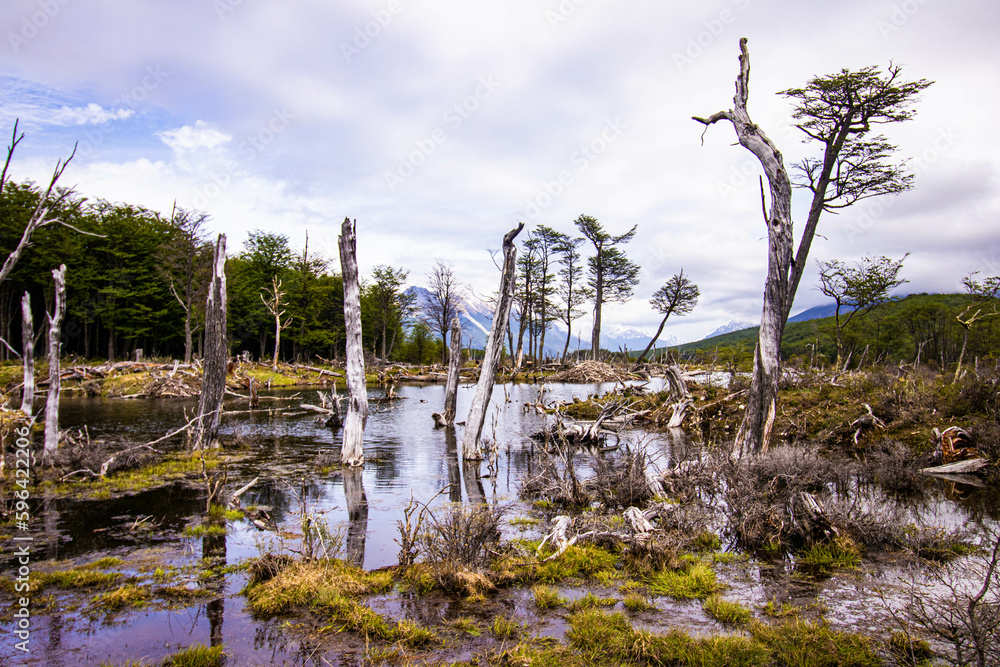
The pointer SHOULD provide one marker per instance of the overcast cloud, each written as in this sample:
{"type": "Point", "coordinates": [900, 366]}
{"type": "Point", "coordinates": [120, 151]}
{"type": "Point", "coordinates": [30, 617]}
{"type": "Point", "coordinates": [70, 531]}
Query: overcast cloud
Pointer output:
{"type": "Point", "coordinates": [439, 126]}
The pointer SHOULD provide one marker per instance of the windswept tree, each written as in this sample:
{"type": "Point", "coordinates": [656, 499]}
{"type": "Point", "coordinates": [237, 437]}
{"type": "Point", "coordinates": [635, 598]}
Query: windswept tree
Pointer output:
{"type": "Point", "coordinates": [857, 290]}
{"type": "Point", "coordinates": [570, 288]}
{"type": "Point", "coordinates": [611, 276]}
{"type": "Point", "coordinates": [838, 111]}
{"type": "Point", "coordinates": [678, 296]}
{"type": "Point", "coordinates": [442, 302]}
{"type": "Point", "coordinates": [548, 241]}
{"type": "Point", "coordinates": [392, 306]}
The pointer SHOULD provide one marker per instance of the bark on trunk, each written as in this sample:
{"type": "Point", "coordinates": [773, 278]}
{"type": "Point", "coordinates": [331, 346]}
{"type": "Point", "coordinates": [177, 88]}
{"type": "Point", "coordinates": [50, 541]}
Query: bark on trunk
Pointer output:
{"type": "Point", "coordinates": [55, 338]}
{"type": "Point", "coordinates": [471, 446]}
{"type": "Point", "coordinates": [28, 350]}
{"type": "Point", "coordinates": [352, 452]}
{"type": "Point", "coordinates": [454, 366]}
{"type": "Point", "coordinates": [653, 340]}
{"type": "Point", "coordinates": [595, 335]}
{"type": "Point", "coordinates": [755, 431]}
{"type": "Point", "coordinates": [213, 382]}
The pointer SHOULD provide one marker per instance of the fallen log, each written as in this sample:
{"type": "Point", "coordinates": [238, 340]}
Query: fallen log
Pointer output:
{"type": "Point", "coordinates": [967, 466]}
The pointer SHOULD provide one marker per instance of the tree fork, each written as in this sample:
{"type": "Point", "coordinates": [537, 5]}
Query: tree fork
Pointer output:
{"type": "Point", "coordinates": [472, 449]}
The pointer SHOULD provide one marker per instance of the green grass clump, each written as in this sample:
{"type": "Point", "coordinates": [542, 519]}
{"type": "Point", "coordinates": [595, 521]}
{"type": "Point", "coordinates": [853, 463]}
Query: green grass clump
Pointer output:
{"type": "Point", "coordinates": [504, 626]}
{"type": "Point", "coordinates": [68, 579]}
{"type": "Point", "coordinates": [123, 597]}
{"type": "Point", "coordinates": [317, 584]}
{"type": "Point", "coordinates": [590, 601]}
{"type": "Point", "coordinates": [103, 563]}
{"type": "Point", "coordinates": [524, 521]}
{"type": "Point", "coordinates": [198, 655]}
{"type": "Point", "coordinates": [205, 530]}
{"type": "Point", "coordinates": [692, 581]}
{"type": "Point", "coordinates": [798, 642]}
{"type": "Point", "coordinates": [785, 610]}
{"type": "Point", "coordinates": [726, 612]}
{"type": "Point", "coordinates": [546, 597]}
{"type": "Point", "coordinates": [467, 625]}
{"type": "Point", "coordinates": [635, 602]}
{"type": "Point", "coordinates": [221, 512]}
{"type": "Point", "coordinates": [824, 558]}
{"type": "Point", "coordinates": [578, 561]}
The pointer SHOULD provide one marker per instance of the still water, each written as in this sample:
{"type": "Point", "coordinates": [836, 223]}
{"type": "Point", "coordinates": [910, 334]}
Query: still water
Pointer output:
{"type": "Point", "coordinates": [406, 457]}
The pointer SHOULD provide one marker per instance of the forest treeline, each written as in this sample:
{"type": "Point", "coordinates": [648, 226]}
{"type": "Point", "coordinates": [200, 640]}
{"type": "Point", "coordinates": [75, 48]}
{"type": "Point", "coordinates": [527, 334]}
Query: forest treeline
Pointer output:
{"type": "Point", "coordinates": [136, 280]}
{"type": "Point", "coordinates": [922, 328]}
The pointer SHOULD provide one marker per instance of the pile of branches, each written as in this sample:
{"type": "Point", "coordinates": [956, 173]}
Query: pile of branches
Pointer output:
{"type": "Point", "coordinates": [589, 372]}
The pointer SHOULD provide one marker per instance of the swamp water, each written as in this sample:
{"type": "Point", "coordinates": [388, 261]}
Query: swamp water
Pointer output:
{"type": "Point", "coordinates": [406, 457]}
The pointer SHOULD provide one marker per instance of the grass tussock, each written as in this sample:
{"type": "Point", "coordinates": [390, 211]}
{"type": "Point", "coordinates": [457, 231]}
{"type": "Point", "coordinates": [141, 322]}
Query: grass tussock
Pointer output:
{"type": "Point", "coordinates": [198, 655]}
{"type": "Point", "coordinates": [727, 612]}
{"type": "Point", "coordinates": [694, 580]}
{"type": "Point", "coordinates": [823, 558]}
{"type": "Point", "coordinates": [124, 597]}
{"type": "Point", "coordinates": [315, 584]}
{"type": "Point", "coordinates": [580, 561]}
{"type": "Point", "coordinates": [547, 597]}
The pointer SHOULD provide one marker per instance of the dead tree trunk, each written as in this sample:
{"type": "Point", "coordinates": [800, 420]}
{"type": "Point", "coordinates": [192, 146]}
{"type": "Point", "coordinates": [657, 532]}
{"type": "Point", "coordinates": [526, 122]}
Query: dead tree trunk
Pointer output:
{"type": "Point", "coordinates": [471, 446]}
{"type": "Point", "coordinates": [352, 451]}
{"type": "Point", "coordinates": [454, 366]}
{"type": "Point", "coordinates": [755, 431]}
{"type": "Point", "coordinates": [28, 350]}
{"type": "Point", "coordinates": [55, 339]}
{"type": "Point", "coordinates": [213, 382]}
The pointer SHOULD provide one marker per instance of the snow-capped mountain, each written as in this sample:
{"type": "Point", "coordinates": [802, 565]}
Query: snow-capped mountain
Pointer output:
{"type": "Point", "coordinates": [731, 326]}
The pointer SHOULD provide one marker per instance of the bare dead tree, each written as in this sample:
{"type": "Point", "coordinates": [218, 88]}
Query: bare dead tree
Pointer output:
{"type": "Point", "coordinates": [471, 446]}
{"type": "Point", "coordinates": [443, 301]}
{"type": "Point", "coordinates": [754, 434]}
{"type": "Point", "coordinates": [48, 203]}
{"type": "Point", "coordinates": [28, 350]}
{"type": "Point", "coordinates": [352, 451]}
{"type": "Point", "coordinates": [55, 340]}
{"type": "Point", "coordinates": [274, 304]}
{"type": "Point", "coordinates": [454, 366]}
{"type": "Point", "coordinates": [213, 383]}
{"type": "Point", "coordinates": [185, 264]}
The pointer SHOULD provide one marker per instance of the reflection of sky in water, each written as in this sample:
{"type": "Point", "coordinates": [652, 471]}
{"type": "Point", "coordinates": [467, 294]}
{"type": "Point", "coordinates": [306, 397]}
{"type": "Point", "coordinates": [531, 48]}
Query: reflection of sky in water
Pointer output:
{"type": "Point", "coordinates": [405, 454]}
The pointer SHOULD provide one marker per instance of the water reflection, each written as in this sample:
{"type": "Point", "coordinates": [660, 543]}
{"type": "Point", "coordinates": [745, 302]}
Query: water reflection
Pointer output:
{"type": "Point", "coordinates": [451, 459]}
{"type": "Point", "coordinates": [357, 512]}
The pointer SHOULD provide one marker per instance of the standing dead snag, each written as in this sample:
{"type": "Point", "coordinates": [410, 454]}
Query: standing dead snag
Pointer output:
{"type": "Point", "coordinates": [55, 339]}
{"type": "Point", "coordinates": [213, 383]}
{"type": "Point", "coordinates": [28, 350]}
{"type": "Point", "coordinates": [273, 305]}
{"type": "Point", "coordinates": [352, 451]}
{"type": "Point", "coordinates": [755, 430]}
{"type": "Point", "coordinates": [454, 366]}
{"type": "Point", "coordinates": [472, 449]}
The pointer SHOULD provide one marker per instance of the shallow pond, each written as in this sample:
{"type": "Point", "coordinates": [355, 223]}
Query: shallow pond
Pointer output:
{"type": "Point", "coordinates": [406, 458]}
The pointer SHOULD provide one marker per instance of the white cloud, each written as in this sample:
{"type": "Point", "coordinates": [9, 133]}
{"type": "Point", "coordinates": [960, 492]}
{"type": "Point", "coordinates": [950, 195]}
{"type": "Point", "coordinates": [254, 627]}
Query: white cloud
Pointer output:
{"type": "Point", "coordinates": [191, 138]}
{"type": "Point", "coordinates": [92, 114]}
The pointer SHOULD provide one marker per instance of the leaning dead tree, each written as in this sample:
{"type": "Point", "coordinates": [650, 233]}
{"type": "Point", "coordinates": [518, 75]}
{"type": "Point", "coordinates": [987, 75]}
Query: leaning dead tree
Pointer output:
{"type": "Point", "coordinates": [352, 451]}
{"type": "Point", "coordinates": [213, 383]}
{"type": "Point", "coordinates": [472, 449]}
{"type": "Point", "coordinates": [28, 350]}
{"type": "Point", "coordinates": [451, 385]}
{"type": "Point", "coordinates": [48, 202]}
{"type": "Point", "coordinates": [755, 430]}
{"type": "Point", "coordinates": [55, 340]}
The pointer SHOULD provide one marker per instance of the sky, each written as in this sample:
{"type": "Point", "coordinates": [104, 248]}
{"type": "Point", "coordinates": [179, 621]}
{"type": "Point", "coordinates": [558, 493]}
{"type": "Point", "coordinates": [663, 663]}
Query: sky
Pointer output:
{"type": "Point", "coordinates": [439, 126]}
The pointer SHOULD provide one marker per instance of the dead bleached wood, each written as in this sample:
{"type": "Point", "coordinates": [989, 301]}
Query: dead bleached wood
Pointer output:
{"type": "Point", "coordinates": [637, 522]}
{"type": "Point", "coordinates": [213, 382]}
{"type": "Point", "coordinates": [234, 500]}
{"type": "Point", "coordinates": [679, 411]}
{"type": "Point", "coordinates": [28, 356]}
{"type": "Point", "coordinates": [352, 451]}
{"type": "Point", "coordinates": [471, 445]}
{"type": "Point", "coordinates": [55, 339]}
{"type": "Point", "coordinates": [967, 466]}
{"type": "Point", "coordinates": [454, 366]}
